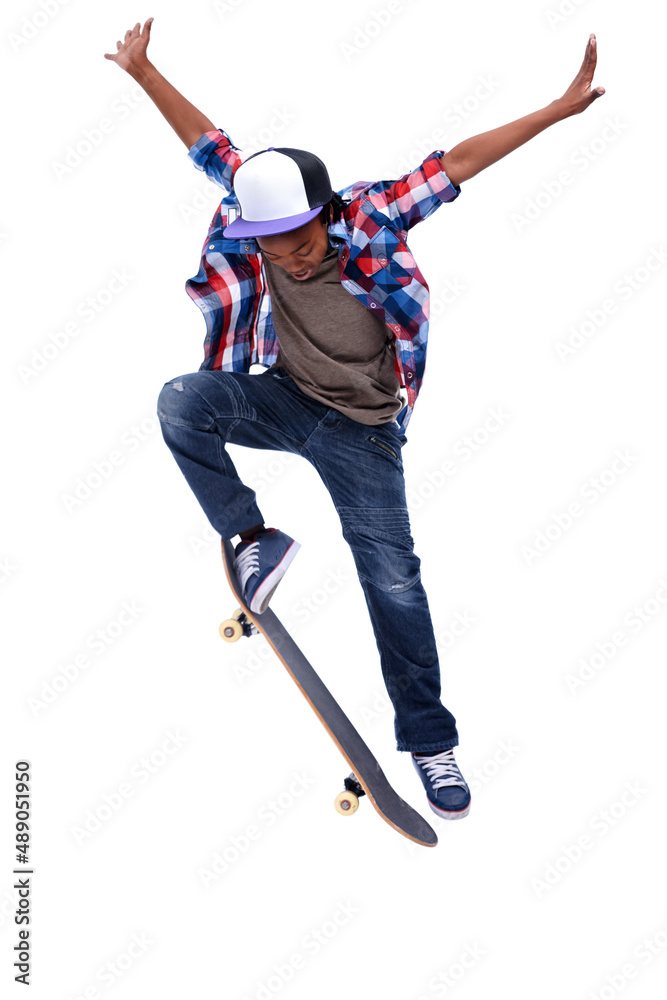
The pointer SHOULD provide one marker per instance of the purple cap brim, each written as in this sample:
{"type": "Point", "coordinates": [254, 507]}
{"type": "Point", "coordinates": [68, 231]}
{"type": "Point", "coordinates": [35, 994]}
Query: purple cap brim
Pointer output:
{"type": "Point", "coordinates": [240, 227]}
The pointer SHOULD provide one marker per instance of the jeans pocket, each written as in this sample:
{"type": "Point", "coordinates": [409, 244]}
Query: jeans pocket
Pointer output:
{"type": "Point", "coordinates": [385, 447]}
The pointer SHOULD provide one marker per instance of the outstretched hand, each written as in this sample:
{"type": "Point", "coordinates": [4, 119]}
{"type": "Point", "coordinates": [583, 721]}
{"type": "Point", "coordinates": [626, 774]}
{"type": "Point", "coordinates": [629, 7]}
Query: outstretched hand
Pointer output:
{"type": "Point", "coordinates": [579, 95]}
{"type": "Point", "coordinates": [132, 51]}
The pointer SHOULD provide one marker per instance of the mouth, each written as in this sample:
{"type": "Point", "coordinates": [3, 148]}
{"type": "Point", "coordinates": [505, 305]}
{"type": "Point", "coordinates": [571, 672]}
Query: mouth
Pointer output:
{"type": "Point", "coordinates": [301, 275]}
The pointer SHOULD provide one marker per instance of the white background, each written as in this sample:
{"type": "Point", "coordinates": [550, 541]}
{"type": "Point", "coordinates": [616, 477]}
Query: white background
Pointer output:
{"type": "Point", "coordinates": [553, 882]}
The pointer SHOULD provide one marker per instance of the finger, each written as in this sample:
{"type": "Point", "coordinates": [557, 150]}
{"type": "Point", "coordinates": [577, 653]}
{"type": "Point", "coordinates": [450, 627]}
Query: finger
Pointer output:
{"type": "Point", "coordinates": [593, 50]}
{"type": "Point", "coordinates": [588, 66]}
{"type": "Point", "coordinates": [585, 64]}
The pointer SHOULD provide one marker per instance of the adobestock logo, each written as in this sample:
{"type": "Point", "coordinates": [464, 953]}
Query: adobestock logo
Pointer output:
{"type": "Point", "coordinates": [79, 150]}
{"type": "Point", "coordinates": [32, 24]}
{"type": "Point", "coordinates": [115, 968]}
{"type": "Point", "coordinates": [643, 955]}
{"type": "Point", "coordinates": [88, 310]}
{"type": "Point", "coordinates": [591, 491]}
{"type": "Point", "coordinates": [365, 33]}
{"type": "Point", "coordinates": [440, 984]}
{"type": "Point", "coordinates": [581, 159]}
{"type": "Point", "coordinates": [565, 9]}
{"type": "Point", "coordinates": [463, 450]}
{"type": "Point", "coordinates": [599, 825]}
{"type": "Point", "coordinates": [635, 621]}
{"type": "Point", "coordinates": [140, 773]}
{"type": "Point", "coordinates": [7, 569]}
{"type": "Point", "coordinates": [266, 817]}
{"type": "Point", "coordinates": [96, 643]}
{"type": "Point", "coordinates": [222, 7]}
{"type": "Point", "coordinates": [310, 945]}
{"type": "Point", "coordinates": [624, 289]}
{"type": "Point", "coordinates": [452, 117]}
{"type": "Point", "coordinates": [86, 485]}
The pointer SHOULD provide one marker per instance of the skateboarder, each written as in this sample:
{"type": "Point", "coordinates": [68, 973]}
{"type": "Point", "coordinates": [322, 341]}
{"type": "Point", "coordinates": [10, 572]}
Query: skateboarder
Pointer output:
{"type": "Point", "coordinates": [321, 289]}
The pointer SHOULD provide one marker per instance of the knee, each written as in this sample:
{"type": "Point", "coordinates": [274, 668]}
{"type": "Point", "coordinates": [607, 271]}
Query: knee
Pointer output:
{"type": "Point", "coordinates": [179, 403]}
{"type": "Point", "coordinates": [383, 548]}
{"type": "Point", "coordinates": [395, 570]}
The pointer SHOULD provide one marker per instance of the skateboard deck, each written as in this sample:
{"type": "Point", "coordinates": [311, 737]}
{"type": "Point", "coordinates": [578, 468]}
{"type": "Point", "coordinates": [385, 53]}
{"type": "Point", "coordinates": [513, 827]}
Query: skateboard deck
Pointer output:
{"type": "Point", "coordinates": [367, 776]}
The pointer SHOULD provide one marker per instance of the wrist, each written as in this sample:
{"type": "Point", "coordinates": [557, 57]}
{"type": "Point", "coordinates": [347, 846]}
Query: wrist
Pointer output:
{"type": "Point", "coordinates": [144, 73]}
{"type": "Point", "coordinates": [559, 110]}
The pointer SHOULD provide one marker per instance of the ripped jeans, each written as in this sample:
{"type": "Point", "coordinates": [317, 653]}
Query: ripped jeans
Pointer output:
{"type": "Point", "coordinates": [361, 467]}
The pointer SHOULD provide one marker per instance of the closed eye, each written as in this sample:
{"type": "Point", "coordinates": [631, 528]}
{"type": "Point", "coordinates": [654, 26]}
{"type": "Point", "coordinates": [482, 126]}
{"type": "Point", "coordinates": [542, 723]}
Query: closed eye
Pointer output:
{"type": "Point", "coordinates": [302, 253]}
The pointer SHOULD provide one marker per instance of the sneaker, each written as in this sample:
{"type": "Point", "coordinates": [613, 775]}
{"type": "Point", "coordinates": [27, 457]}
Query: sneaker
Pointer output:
{"type": "Point", "coordinates": [260, 564]}
{"type": "Point", "coordinates": [447, 793]}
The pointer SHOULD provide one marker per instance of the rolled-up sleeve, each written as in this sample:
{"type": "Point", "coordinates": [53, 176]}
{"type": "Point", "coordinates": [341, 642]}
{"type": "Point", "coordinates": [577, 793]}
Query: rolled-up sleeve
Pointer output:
{"type": "Point", "coordinates": [215, 154]}
{"type": "Point", "coordinates": [414, 196]}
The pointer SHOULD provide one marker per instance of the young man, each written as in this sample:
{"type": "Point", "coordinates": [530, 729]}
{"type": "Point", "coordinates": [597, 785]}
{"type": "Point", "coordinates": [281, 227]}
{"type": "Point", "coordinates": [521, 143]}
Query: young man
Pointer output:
{"type": "Point", "coordinates": [320, 288]}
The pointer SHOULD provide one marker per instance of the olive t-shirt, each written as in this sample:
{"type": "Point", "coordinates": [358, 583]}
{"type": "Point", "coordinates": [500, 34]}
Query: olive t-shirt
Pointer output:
{"type": "Point", "coordinates": [335, 349]}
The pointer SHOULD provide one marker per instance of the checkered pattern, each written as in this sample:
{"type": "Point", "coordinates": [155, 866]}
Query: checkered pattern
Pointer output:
{"type": "Point", "coordinates": [375, 265]}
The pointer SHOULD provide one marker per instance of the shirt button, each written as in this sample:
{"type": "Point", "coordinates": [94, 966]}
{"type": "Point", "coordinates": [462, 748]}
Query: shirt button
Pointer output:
{"type": "Point", "coordinates": [247, 247]}
{"type": "Point", "coordinates": [382, 260]}
{"type": "Point", "coordinates": [212, 246]}
{"type": "Point", "coordinates": [373, 305]}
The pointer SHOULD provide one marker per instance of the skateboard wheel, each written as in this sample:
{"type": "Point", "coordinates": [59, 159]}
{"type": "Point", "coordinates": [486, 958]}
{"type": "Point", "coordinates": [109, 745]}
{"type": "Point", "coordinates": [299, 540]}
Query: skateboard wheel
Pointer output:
{"type": "Point", "coordinates": [346, 803]}
{"type": "Point", "coordinates": [231, 630]}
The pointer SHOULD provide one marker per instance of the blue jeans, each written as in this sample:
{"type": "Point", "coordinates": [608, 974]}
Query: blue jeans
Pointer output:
{"type": "Point", "coordinates": [362, 469]}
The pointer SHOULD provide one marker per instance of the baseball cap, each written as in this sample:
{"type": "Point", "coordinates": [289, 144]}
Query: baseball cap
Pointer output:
{"type": "Point", "coordinates": [278, 190]}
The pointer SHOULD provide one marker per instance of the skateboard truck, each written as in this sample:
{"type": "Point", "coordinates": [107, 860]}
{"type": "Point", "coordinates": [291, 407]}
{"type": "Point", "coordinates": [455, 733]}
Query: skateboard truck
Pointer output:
{"type": "Point", "coordinates": [347, 802]}
{"type": "Point", "coordinates": [236, 626]}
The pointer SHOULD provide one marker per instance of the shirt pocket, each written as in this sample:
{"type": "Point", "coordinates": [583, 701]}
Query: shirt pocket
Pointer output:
{"type": "Point", "coordinates": [385, 260]}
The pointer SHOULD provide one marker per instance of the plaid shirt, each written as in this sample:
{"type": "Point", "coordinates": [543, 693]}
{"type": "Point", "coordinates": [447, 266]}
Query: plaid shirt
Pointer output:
{"type": "Point", "coordinates": [375, 266]}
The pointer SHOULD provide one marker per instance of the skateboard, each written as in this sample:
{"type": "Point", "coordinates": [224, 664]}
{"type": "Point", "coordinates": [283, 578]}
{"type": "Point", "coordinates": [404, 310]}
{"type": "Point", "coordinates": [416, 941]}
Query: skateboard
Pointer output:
{"type": "Point", "coordinates": [367, 777]}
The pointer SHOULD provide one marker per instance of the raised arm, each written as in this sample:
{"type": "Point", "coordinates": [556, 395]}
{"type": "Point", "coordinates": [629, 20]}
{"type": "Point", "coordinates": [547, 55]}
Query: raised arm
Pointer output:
{"type": "Point", "coordinates": [185, 119]}
{"type": "Point", "coordinates": [472, 155]}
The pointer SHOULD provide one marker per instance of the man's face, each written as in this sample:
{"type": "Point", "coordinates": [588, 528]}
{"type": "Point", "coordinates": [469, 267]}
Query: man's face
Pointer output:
{"type": "Point", "coordinates": [299, 252]}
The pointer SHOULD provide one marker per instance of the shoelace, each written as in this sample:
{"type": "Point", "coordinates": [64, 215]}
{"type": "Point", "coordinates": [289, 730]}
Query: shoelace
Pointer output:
{"type": "Point", "coordinates": [442, 773]}
{"type": "Point", "coordinates": [247, 563]}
